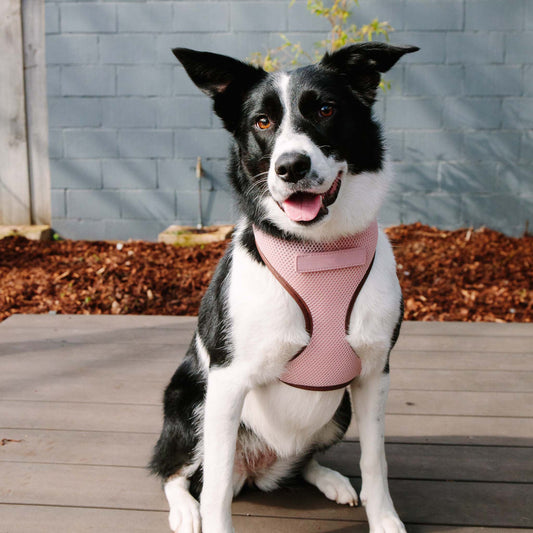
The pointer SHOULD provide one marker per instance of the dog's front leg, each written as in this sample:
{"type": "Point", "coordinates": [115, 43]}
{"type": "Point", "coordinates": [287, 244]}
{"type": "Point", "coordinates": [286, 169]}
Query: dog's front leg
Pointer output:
{"type": "Point", "coordinates": [223, 407]}
{"type": "Point", "coordinates": [369, 396]}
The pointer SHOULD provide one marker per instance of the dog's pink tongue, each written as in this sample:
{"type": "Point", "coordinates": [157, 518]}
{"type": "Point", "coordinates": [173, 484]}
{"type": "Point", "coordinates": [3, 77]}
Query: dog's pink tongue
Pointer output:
{"type": "Point", "coordinates": [302, 207]}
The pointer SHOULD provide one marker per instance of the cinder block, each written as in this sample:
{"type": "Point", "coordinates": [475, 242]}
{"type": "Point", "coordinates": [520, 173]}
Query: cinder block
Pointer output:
{"type": "Point", "coordinates": [433, 145]}
{"type": "Point", "coordinates": [93, 205]}
{"type": "Point", "coordinates": [495, 211]}
{"type": "Point", "coordinates": [177, 174]}
{"type": "Point", "coordinates": [184, 112]}
{"type": "Point", "coordinates": [415, 177]}
{"type": "Point", "coordinates": [413, 113]}
{"type": "Point", "coordinates": [394, 143]}
{"type": "Point", "coordinates": [148, 205]}
{"type": "Point", "coordinates": [145, 80]}
{"type": "Point", "coordinates": [129, 173]}
{"type": "Point", "coordinates": [85, 17]}
{"type": "Point", "coordinates": [76, 174]}
{"type": "Point", "coordinates": [516, 178]}
{"type": "Point", "coordinates": [529, 16]}
{"type": "Point", "coordinates": [74, 112]}
{"type": "Point", "coordinates": [59, 206]}
{"type": "Point", "coordinates": [469, 177]}
{"type": "Point", "coordinates": [432, 45]}
{"type": "Point", "coordinates": [499, 15]}
{"type": "Point", "coordinates": [385, 10]}
{"type": "Point", "coordinates": [222, 209]}
{"type": "Point", "coordinates": [201, 17]}
{"type": "Point", "coordinates": [475, 47]}
{"type": "Point", "coordinates": [301, 19]}
{"type": "Point", "coordinates": [472, 113]}
{"type": "Point", "coordinates": [156, 17]}
{"type": "Point", "coordinates": [518, 47]}
{"type": "Point", "coordinates": [441, 210]}
{"type": "Point", "coordinates": [55, 143]}
{"type": "Point", "coordinates": [526, 146]}
{"type": "Point", "coordinates": [217, 208]}
{"type": "Point", "coordinates": [71, 49]}
{"type": "Point", "coordinates": [125, 229]}
{"type": "Point", "coordinates": [145, 143]}
{"type": "Point", "coordinates": [268, 16]}
{"type": "Point", "coordinates": [434, 15]}
{"type": "Point", "coordinates": [242, 45]}
{"type": "Point", "coordinates": [528, 80]}
{"type": "Point", "coordinates": [493, 80]}
{"type": "Point", "coordinates": [90, 143]}
{"type": "Point", "coordinates": [440, 80]}
{"type": "Point", "coordinates": [88, 80]}
{"type": "Point", "coordinates": [90, 230]}
{"type": "Point", "coordinates": [198, 41]}
{"type": "Point", "coordinates": [518, 113]}
{"type": "Point", "coordinates": [128, 49]}
{"type": "Point", "coordinates": [51, 21]}
{"type": "Point", "coordinates": [216, 175]}
{"type": "Point", "coordinates": [492, 145]}
{"type": "Point", "coordinates": [201, 142]}
{"type": "Point", "coordinates": [390, 213]}
{"type": "Point", "coordinates": [53, 80]}
{"type": "Point", "coordinates": [132, 112]}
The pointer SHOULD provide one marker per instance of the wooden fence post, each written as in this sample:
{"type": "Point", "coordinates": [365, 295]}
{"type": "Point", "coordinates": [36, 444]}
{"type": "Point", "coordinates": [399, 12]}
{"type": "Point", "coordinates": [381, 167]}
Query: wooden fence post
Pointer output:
{"type": "Point", "coordinates": [36, 110]}
{"type": "Point", "coordinates": [14, 180]}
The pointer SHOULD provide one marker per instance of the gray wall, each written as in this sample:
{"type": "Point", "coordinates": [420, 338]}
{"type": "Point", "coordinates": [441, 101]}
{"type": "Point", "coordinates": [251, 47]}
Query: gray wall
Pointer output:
{"type": "Point", "coordinates": [126, 125]}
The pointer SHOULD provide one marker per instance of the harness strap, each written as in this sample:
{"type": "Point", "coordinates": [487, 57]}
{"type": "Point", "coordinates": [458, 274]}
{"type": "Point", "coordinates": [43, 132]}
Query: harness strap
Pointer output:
{"type": "Point", "coordinates": [324, 279]}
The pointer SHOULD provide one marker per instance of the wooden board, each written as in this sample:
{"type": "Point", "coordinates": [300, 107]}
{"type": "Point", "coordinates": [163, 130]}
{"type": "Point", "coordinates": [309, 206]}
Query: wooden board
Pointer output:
{"type": "Point", "coordinates": [14, 181]}
{"type": "Point", "coordinates": [33, 19]}
{"type": "Point", "coordinates": [406, 461]}
{"type": "Point", "coordinates": [456, 502]}
{"type": "Point", "coordinates": [27, 518]}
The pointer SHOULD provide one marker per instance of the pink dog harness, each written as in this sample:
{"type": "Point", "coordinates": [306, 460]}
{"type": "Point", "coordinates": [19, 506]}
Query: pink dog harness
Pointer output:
{"type": "Point", "coordinates": [324, 278]}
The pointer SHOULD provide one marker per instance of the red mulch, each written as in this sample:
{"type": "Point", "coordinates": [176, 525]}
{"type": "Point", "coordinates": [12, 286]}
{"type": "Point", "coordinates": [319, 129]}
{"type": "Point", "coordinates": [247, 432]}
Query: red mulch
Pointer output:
{"type": "Point", "coordinates": [445, 275]}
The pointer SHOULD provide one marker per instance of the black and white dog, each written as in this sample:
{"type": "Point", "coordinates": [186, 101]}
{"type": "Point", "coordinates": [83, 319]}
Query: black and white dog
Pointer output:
{"type": "Point", "coordinates": [308, 164]}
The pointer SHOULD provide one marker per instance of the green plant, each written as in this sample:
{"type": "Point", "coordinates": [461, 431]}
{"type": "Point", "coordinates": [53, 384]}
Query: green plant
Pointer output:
{"type": "Point", "coordinates": [338, 15]}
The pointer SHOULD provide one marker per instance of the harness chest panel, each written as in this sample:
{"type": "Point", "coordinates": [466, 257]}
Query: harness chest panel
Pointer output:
{"type": "Point", "coordinates": [324, 278]}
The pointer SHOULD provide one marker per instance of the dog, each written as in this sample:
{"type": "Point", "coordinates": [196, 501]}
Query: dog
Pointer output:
{"type": "Point", "coordinates": [309, 170]}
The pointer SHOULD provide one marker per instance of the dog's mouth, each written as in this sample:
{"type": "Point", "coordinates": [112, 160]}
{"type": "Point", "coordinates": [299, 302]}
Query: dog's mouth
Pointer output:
{"type": "Point", "coordinates": [308, 207]}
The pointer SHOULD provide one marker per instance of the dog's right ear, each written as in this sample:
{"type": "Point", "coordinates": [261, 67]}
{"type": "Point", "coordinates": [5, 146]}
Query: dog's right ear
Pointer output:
{"type": "Point", "coordinates": [224, 79]}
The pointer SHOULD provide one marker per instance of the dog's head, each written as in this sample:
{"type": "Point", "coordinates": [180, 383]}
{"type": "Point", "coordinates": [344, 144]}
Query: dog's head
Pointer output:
{"type": "Point", "coordinates": [309, 156]}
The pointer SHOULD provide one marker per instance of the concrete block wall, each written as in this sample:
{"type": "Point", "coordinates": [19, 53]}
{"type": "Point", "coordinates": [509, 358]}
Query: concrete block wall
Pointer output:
{"type": "Point", "coordinates": [126, 124]}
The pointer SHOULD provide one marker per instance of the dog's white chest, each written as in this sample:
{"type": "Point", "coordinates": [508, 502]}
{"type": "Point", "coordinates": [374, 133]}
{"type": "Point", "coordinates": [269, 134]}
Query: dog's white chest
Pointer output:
{"type": "Point", "coordinates": [268, 327]}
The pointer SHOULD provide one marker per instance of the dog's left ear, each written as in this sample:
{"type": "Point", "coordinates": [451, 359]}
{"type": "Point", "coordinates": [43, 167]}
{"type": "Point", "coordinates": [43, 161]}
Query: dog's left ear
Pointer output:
{"type": "Point", "coordinates": [224, 79]}
{"type": "Point", "coordinates": [363, 63]}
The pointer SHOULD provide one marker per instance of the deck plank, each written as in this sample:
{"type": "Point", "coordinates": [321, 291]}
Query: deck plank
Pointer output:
{"type": "Point", "coordinates": [147, 419]}
{"type": "Point", "coordinates": [445, 502]}
{"type": "Point", "coordinates": [406, 461]}
{"type": "Point", "coordinates": [27, 518]}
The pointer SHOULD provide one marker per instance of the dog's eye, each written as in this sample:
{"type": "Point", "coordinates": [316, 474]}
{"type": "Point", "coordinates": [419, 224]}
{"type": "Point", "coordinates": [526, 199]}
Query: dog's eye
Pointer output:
{"type": "Point", "coordinates": [326, 110]}
{"type": "Point", "coordinates": [263, 122]}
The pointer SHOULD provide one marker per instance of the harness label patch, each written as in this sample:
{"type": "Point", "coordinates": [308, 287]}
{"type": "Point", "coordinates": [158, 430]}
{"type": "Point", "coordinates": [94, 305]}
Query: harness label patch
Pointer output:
{"type": "Point", "coordinates": [321, 261]}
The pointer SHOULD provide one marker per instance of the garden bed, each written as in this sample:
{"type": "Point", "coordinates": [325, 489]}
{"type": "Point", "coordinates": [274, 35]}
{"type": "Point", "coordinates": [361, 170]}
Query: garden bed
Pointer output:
{"type": "Point", "coordinates": [460, 275]}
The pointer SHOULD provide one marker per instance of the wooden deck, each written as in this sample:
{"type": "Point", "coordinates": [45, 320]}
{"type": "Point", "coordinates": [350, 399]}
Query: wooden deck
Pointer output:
{"type": "Point", "coordinates": [80, 410]}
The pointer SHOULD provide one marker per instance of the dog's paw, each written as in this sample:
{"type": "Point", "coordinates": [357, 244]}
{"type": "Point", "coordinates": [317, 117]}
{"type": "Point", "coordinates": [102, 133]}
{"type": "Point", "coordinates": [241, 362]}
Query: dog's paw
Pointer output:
{"type": "Point", "coordinates": [184, 516]}
{"type": "Point", "coordinates": [387, 524]}
{"type": "Point", "coordinates": [335, 486]}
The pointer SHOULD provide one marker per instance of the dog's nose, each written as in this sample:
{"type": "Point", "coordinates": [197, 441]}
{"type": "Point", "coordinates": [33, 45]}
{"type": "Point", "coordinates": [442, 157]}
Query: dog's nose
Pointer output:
{"type": "Point", "coordinates": [293, 166]}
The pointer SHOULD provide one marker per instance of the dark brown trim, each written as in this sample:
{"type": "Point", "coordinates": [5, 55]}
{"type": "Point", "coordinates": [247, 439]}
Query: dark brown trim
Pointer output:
{"type": "Point", "coordinates": [305, 387]}
{"type": "Point", "coordinates": [356, 294]}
